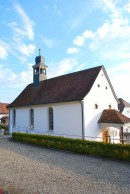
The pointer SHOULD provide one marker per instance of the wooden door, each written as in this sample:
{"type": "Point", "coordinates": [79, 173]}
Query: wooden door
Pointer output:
{"type": "Point", "coordinates": [105, 136]}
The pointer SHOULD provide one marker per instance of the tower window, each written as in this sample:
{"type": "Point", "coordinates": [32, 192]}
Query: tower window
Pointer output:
{"type": "Point", "coordinates": [50, 118]}
{"type": "Point", "coordinates": [98, 85]}
{"type": "Point", "coordinates": [106, 87]}
{"type": "Point", "coordinates": [40, 70]}
{"type": "Point", "coordinates": [44, 71]}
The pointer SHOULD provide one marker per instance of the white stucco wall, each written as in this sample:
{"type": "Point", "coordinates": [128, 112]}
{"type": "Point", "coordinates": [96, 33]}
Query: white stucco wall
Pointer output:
{"type": "Point", "coordinates": [67, 119]}
{"type": "Point", "coordinates": [101, 96]}
{"type": "Point", "coordinates": [126, 112]}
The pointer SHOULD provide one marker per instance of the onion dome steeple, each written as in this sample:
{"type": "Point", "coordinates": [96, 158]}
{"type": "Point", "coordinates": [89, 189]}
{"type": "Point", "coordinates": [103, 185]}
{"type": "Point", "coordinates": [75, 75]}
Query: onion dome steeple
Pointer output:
{"type": "Point", "coordinates": [39, 70]}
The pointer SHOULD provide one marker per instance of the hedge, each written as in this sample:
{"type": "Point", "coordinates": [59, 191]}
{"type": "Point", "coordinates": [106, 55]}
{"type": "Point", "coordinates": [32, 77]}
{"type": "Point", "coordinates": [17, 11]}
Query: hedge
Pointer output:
{"type": "Point", "coordinates": [112, 151]}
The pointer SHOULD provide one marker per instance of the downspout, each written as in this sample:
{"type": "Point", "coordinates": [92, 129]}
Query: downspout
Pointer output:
{"type": "Point", "coordinates": [82, 115]}
{"type": "Point", "coordinates": [9, 130]}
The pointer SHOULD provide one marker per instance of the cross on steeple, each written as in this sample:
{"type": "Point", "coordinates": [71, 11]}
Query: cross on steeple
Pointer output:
{"type": "Point", "coordinates": [39, 52]}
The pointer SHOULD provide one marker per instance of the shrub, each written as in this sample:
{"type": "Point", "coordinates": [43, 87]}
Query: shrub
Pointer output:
{"type": "Point", "coordinates": [113, 151]}
{"type": "Point", "coordinates": [5, 128]}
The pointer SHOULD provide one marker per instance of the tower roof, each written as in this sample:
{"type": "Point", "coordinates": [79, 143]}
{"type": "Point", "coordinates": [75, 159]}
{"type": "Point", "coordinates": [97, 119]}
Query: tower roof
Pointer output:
{"type": "Point", "coordinates": [39, 59]}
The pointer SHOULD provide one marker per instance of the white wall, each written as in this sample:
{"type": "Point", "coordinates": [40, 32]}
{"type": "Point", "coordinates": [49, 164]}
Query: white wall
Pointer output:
{"type": "Point", "coordinates": [126, 112]}
{"type": "Point", "coordinates": [67, 119]}
{"type": "Point", "coordinates": [103, 98]}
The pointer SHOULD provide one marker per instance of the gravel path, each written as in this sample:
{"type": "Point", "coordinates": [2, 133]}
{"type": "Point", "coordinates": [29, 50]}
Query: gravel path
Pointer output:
{"type": "Point", "coordinates": [37, 170]}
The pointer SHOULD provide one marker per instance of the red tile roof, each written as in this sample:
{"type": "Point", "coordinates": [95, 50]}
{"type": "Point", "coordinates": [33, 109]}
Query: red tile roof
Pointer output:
{"type": "Point", "coordinates": [70, 87]}
{"type": "Point", "coordinates": [3, 109]}
{"type": "Point", "coordinates": [113, 116]}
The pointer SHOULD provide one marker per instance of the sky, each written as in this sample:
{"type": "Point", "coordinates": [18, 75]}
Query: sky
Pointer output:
{"type": "Point", "coordinates": [72, 34]}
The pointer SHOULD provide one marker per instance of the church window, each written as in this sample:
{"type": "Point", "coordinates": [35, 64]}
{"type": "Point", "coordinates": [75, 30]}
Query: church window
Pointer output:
{"type": "Point", "coordinates": [14, 117]}
{"type": "Point", "coordinates": [31, 118]}
{"type": "Point", "coordinates": [96, 106]}
{"type": "Point", "coordinates": [106, 87]}
{"type": "Point", "coordinates": [50, 118]}
{"type": "Point", "coordinates": [109, 106]}
{"type": "Point", "coordinates": [98, 85]}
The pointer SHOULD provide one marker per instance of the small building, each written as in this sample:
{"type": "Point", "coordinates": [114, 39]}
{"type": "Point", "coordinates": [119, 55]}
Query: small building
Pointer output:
{"type": "Point", "coordinates": [4, 113]}
{"type": "Point", "coordinates": [69, 105]}
{"type": "Point", "coordinates": [114, 125]}
{"type": "Point", "coordinates": [124, 107]}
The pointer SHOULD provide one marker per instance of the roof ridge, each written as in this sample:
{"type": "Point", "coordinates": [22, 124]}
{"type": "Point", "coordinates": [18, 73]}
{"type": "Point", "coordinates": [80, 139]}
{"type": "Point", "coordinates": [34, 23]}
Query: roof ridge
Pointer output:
{"type": "Point", "coordinates": [75, 72]}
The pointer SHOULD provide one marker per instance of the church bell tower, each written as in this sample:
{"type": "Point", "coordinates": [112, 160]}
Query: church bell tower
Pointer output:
{"type": "Point", "coordinates": [39, 70]}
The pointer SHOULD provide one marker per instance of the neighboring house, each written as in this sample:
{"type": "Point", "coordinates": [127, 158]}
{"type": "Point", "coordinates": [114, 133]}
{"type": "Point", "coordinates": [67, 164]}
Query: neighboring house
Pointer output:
{"type": "Point", "coordinates": [69, 105]}
{"type": "Point", "coordinates": [4, 113]}
{"type": "Point", "coordinates": [113, 122]}
{"type": "Point", "coordinates": [4, 120]}
{"type": "Point", "coordinates": [124, 107]}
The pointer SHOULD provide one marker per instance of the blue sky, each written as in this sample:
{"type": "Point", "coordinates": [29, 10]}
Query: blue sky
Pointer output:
{"type": "Point", "coordinates": [72, 34]}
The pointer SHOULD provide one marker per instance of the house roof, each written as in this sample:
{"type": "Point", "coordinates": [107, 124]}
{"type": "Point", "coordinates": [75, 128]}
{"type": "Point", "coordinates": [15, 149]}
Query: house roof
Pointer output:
{"type": "Point", "coordinates": [122, 104]}
{"type": "Point", "coordinates": [3, 109]}
{"type": "Point", "coordinates": [4, 117]}
{"type": "Point", "coordinates": [113, 116]}
{"type": "Point", "coordinates": [65, 88]}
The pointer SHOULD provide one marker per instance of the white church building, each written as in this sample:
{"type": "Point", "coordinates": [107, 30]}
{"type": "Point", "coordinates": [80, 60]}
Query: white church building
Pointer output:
{"type": "Point", "coordinates": [76, 105]}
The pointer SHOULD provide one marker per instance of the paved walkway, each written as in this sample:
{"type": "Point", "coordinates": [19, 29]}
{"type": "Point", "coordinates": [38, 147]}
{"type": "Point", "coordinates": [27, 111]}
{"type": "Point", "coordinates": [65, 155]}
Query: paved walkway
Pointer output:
{"type": "Point", "coordinates": [5, 136]}
{"type": "Point", "coordinates": [36, 170]}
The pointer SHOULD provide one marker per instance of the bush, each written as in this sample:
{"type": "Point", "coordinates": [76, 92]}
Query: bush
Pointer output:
{"type": "Point", "coordinates": [113, 151]}
{"type": "Point", "coordinates": [5, 129]}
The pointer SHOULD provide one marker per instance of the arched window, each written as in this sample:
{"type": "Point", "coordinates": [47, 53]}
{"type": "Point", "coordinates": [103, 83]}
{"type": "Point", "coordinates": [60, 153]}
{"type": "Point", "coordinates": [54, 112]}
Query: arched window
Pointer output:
{"type": "Point", "coordinates": [14, 118]}
{"type": "Point", "coordinates": [109, 106]}
{"type": "Point", "coordinates": [50, 118]}
{"type": "Point", "coordinates": [96, 106]}
{"type": "Point", "coordinates": [31, 118]}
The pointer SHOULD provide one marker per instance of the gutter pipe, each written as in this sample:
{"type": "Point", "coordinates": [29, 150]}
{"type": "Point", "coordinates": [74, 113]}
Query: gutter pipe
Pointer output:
{"type": "Point", "coordinates": [82, 115]}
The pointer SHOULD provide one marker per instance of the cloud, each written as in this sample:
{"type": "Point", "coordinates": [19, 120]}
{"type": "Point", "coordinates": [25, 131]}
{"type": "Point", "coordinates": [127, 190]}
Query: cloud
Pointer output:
{"type": "Point", "coordinates": [48, 42]}
{"type": "Point", "coordinates": [75, 23]}
{"type": "Point", "coordinates": [25, 49]}
{"type": "Point", "coordinates": [80, 40]}
{"type": "Point", "coordinates": [72, 50]}
{"type": "Point", "coordinates": [9, 78]}
{"type": "Point", "coordinates": [4, 48]}
{"type": "Point", "coordinates": [111, 40]}
{"type": "Point", "coordinates": [27, 27]}
{"type": "Point", "coordinates": [57, 10]}
{"type": "Point", "coordinates": [127, 7]}
{"type": "Point", "coordinates": [22, 32]}
{"type": "Point", "coordinates": [119, 76]}
{"type": "Point", "coordinates": [108, 6]}
{"type": "Point", "coordinates": [62, 67]}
